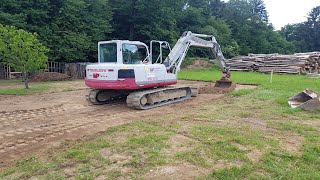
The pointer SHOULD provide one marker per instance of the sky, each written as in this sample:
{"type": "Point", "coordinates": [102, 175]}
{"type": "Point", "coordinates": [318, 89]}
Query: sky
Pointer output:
{"type": "Point", "coordinates": [283, 12]}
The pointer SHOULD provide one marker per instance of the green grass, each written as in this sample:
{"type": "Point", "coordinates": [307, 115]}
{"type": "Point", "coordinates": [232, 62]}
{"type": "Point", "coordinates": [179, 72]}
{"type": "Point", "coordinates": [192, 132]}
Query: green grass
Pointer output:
{"type": "Point", "coordinates": [278, 163]}
{"type": "Point", "coordinates": [282, 87]}
{"type": "Point", "coordinates": [219, 136]}
{"type": "Point", "coordinates": [24, 91]}
{"type": "Point", "coordinates": [222, 143]}
{"type": "Point", "coordinates": [5, 82]}
{"type": "Point", "coordinates": [16, 87]}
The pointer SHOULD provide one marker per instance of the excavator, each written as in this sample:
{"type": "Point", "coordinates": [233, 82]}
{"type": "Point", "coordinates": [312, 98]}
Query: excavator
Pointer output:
{"type": "Point", "coordinates": [126, 69]}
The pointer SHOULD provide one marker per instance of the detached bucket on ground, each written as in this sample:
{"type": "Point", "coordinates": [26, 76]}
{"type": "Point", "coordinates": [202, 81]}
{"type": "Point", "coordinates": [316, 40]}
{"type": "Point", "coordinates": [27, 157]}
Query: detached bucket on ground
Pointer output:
{"type": "Point", "coordinates": [308, 100]}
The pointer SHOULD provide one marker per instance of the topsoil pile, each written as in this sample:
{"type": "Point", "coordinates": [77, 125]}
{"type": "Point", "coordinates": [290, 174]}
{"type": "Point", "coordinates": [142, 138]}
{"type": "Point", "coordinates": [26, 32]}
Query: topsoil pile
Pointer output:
{"type": "Point", "coordinates": [50, 76]}
{"type": "Point", "coordinates": [200, 64]}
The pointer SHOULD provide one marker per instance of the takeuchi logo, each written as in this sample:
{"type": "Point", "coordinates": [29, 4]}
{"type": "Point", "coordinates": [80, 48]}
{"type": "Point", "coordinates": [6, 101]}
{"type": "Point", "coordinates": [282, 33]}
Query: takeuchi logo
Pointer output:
{"type": "Point", "coordinates": [96, 76]}
{"type": "Point", "coordinates": [97, 70]}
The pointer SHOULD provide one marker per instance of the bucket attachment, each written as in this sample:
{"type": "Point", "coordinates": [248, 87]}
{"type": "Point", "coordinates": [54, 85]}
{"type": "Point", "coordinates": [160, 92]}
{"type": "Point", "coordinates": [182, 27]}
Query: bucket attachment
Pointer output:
{"type": "Point", "coordinates": [226, 84]}
{"type": "Point", "coordinates": [308, 100]}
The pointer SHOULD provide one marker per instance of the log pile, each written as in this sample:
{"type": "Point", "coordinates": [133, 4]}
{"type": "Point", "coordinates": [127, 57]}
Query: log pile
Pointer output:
{"type": "Point", "coordinates": [299, 63]}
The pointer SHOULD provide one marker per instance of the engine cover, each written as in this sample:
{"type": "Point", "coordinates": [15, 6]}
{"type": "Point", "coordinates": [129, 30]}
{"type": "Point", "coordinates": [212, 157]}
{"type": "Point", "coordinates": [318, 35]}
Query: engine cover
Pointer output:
{"type": "Point", "coordinates": [128, 77]}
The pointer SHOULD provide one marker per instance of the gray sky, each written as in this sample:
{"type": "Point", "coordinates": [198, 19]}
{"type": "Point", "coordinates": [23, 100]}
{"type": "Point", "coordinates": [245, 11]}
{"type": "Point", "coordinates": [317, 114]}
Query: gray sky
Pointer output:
{"type": "Point", "coordinates": [283, 12]}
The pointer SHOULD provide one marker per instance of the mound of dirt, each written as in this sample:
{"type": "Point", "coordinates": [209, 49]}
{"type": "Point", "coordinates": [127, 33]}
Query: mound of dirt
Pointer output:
{"type": "Point", "coordinates": [210, 89]}
{"type": "Point", "coordinates": [50, 76]}
{"type": "Point", "coordinates": [200, 64]}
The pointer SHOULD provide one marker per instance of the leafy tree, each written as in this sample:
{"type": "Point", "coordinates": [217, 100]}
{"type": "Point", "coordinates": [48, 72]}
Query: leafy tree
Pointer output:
{"type": "Point", "coordinates": [76, 29]}
{"type": "Point", "coordinates": [72, 28]}
{"type": "Point", "coordinates": [313, 25]}
{"type": "Point", "coordinates": [248, 23]}
{"type": "Point", "coordinates": [305, 35]}
{"type": "Point", "coordinates": [259, 9]}
{"type": "Point", "coordinates": [146, 20]}
{"type": "Point", "coordinates": [217, 7]}
{"type": "Point", "coordinates": [296, 34]}
{"type": "Point", "coordinates": [69, 28]}
{"type": "Point", "coordinates": [22, 51]}
{"type": "Point", "coordinates": [194, 19]}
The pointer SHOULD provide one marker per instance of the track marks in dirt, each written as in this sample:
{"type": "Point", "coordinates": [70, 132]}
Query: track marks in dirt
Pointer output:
{"type": "Point", "coordinates": [32, 128]}
{"type": "Point", "coordinates": [9, 118]}
{"type": "Point", "coordinates": [33, 123]}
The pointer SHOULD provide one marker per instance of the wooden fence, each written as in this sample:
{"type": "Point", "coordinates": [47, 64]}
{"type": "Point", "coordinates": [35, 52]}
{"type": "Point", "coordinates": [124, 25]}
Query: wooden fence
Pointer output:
{"type": "Point", "coordinates": [5, 71]}
{"type": "Point", "coordinates": [74, 70]}
{"type": "Point", "coordinates": [58, 67]}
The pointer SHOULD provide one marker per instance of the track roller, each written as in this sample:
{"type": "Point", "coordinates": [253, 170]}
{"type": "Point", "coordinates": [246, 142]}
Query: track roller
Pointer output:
{"type": "Point", "coordinates": [99, 97]}
{"type": "Point", "coordinates": [148, 99]}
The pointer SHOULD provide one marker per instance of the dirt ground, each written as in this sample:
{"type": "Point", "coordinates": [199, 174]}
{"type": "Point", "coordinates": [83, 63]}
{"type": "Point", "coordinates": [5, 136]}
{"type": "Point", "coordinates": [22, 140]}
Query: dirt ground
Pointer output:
{"type": "Point", "coordinates": [33, 124]}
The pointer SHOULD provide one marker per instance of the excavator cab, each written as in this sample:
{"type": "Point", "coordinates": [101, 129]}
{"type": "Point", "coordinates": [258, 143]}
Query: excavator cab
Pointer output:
{"type": "Point", "coordinates": [123, 52]}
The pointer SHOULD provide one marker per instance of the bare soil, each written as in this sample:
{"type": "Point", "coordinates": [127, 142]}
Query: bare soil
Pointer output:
{"type": "Point", "coordinates": [181, 171]}
{"type": "Point", "coordinates": [33, 124]}
{"type": "Point", "coordinates": [211, 89]}
{"type": "Point", "coordinates": [200, 64]}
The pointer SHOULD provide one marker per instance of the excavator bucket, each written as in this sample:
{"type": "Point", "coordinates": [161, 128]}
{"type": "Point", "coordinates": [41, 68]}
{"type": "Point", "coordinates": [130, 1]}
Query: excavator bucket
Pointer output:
{"type": "Point", "coordinates": [226, 84]}
{"type": "Point", "coordinates": [308, 100]}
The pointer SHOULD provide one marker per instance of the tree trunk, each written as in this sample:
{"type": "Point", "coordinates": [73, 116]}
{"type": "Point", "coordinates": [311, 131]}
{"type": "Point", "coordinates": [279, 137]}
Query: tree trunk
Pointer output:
{"type": "Point", "coordinates": [131, 23]}
{"type": "Point", "coordinates": [131, 31]}
{"type": "Point", "coordinates": [25, 78]}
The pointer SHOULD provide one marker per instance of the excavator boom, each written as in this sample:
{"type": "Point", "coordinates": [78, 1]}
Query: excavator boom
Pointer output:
{"type": "Point", "coordinates": [180, 50]}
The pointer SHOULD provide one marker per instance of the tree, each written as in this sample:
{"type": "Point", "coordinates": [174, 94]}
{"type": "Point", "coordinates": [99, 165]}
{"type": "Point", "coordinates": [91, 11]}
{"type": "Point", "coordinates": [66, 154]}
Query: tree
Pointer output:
{"type": "Point", "coordinates": [72, 28]}
{"type": "Point", "coordinates": [69, 28]}
{"type": "Point", "coordinates": [305, 35]}
{"type": "Point", "coordinates": [248, 23]}
{"type": "Point", "coordinates": [297, 34]}
{"type": "Point", "coordinates": [199, 20]}
{"type": "Point", "coordinates": [22, 51]}
{"type": "Point", "coordinates": [259, 9]}
{"type": "Point", "coordinates": [313, 25]}
{"type": "Point", "coordinates": [76, 29]}
{"type": "Point", "coordinates": [146, 20]}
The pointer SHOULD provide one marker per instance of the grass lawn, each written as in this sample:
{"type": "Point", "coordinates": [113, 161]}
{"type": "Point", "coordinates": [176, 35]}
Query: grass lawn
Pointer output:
{"type": "Point", "coordinates": [281, 88]}
{"type": "Point", "coordinates": [23, 91]}
{"type": "Point", "coordinates": [16, 87]}
{"type": "Point", "coordinates": [249, 134]}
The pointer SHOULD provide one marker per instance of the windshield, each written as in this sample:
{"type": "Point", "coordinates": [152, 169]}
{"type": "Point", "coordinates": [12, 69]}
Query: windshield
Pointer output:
{"type": "Point", "coordinates": [108, 53]}
{"type": "Point", "coordinates": [134, 54]}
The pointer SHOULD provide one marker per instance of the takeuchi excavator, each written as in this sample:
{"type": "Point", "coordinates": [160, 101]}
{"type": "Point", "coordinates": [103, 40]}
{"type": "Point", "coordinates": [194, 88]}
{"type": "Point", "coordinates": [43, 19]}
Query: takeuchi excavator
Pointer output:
{"type": "Point", "coordinates": [125, 70]}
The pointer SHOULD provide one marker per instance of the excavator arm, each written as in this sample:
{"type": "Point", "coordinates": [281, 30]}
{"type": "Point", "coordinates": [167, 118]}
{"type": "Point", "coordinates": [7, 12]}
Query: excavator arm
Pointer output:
{"type": "Point", "coordinates": [179, 51]}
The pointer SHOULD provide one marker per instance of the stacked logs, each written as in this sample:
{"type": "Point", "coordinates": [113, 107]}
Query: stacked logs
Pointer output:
{"type": "Point", "coordinates": [299, 63]}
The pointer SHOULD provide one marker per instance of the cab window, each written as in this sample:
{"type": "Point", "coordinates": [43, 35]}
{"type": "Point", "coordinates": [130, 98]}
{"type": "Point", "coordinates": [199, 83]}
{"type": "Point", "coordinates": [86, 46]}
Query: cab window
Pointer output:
{"type": "Point", "coordinates": [108, 53]}
{"type": "Point", "coordinates": [134, 54]}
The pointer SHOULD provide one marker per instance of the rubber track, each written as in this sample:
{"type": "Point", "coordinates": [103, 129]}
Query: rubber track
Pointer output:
{"type": "Point", "coordinates": [91, 97]}
{"type": "Point", "coordinates": [133, 99]}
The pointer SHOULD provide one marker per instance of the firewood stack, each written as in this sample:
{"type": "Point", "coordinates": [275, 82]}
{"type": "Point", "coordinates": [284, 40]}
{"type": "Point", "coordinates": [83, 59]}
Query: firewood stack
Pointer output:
{"type": "Point", "coordinates": [299, 63]}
